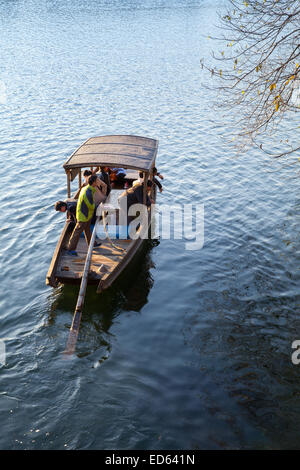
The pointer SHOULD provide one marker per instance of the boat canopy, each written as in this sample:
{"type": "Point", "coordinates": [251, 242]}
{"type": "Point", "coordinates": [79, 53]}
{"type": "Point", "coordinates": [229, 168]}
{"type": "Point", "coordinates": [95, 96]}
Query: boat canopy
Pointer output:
{"type": "Point", "coordinates": [116, 151]}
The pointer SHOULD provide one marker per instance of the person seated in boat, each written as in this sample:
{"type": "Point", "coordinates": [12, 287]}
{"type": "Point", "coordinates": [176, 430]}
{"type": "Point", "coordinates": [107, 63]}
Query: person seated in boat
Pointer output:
{"type": "Point", "coordinates": [139, 180]}
{"type": "Point", "coordinates": [67, 206]}
{"type": "Point", "coordinates": [101, 188]}
{"type": "Point", "coordinates": [155, 174]}
{"type": "Point", "coordinates": [155, 180]}
{"type": "Point", "coordinates": [135, 195]}
{"type": "Point", "coordinates": [84, 213]}
{"type": "Point", "coordinates": [103, 174]}
{"type": "Point", "coordinates": [117, 175]}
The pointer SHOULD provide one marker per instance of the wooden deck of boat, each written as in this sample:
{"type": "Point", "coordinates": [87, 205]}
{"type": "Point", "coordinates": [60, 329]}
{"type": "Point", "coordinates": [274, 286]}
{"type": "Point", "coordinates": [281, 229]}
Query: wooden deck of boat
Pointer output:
{"type": "Point", "coordinates": [71, 267]}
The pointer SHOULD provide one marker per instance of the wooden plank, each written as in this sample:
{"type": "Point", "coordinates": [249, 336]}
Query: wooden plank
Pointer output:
{"type": "Point", "coordinates": [69, 183]}
{"type": "Point", "coordinates": [74, 265]}
{"type": "Point", "coordinates": [50, 278]}
{"type": "Point", "coordinates": [69, 275]}
{"type": "Point", "coordinates": [123, 139]}
{"type": "Point", "coordinates": [117, 149]}
{"type": "Point", "coordinates": [106, 282]}
{"type": "Point", "coordinates": [72, 275]}
{"type": "Point", "coordinates": [113, 161]}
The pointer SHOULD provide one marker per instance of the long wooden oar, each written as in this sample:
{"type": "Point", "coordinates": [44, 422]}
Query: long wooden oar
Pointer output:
{"type": "Point", "coordinates": [74, 330]}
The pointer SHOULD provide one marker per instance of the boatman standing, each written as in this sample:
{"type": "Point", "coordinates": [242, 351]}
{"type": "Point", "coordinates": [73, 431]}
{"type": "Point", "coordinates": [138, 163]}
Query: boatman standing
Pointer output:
{"type": "Point", "coordinates": [84, 213]}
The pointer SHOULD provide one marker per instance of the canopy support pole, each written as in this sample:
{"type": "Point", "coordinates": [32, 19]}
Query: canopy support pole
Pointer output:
{"type": "Point", "coordinates": [146, 174]}
{"type": "Point", "coordinates": [69, 183]}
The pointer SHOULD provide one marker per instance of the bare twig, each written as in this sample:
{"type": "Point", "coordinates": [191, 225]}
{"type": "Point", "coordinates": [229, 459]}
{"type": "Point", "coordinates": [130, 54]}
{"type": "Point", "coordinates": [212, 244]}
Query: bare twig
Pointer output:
{"type": "Point", "coordinates": [258, 70]}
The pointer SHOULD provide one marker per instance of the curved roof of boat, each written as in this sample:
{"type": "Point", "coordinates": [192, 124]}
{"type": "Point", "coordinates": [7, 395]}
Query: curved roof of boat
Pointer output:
{"type": "Point", "coordinates": [123, 151]}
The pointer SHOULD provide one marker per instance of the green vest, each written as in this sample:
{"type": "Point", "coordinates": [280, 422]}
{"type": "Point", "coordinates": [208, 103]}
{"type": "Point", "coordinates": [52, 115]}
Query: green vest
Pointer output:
{"type": "Point", "coordinates": [86, 204]}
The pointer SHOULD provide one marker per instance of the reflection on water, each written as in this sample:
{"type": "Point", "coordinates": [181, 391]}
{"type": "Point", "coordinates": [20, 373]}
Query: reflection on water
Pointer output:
{"type": "Point", "coordinates": [242, 329]}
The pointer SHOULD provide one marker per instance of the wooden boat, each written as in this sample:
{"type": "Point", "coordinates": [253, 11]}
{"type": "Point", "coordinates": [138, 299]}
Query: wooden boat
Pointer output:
{"type": "Point", "coordinates": [132, 153]}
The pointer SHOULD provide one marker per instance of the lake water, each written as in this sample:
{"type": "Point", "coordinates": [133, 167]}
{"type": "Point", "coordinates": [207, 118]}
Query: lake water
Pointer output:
{"type": "Point", "coordinates": [191, 349]}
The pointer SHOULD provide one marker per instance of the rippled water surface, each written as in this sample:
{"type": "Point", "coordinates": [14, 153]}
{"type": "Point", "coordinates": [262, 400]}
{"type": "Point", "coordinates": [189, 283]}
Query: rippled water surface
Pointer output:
{"type": "Point", "coordinates": [191, 349]}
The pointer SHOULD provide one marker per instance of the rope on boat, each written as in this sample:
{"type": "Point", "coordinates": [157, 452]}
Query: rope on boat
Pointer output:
{"type": "Point", "coordinates": [108, 237]}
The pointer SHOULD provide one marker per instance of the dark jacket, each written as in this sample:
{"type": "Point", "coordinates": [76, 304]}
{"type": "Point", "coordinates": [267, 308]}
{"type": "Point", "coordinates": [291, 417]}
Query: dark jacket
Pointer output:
{"type": "Point", "coordinates": [71, 210]}
{"type": "Point", "coordinates": [135, 196]}
{"type": "Point", "coordinates": [157, 182]}
{"type": "Point", "coordinates": [106, 179]}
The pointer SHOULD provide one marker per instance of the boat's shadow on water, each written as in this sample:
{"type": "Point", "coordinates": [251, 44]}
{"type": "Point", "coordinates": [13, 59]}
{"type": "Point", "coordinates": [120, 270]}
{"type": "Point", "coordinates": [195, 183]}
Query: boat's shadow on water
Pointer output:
{"type": "Point", "coordinates": [128, 294]}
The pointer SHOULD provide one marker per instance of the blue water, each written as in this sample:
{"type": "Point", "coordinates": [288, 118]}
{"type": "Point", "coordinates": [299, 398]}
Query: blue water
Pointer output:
{"type": "Point", "coordinates": [191, 349]}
